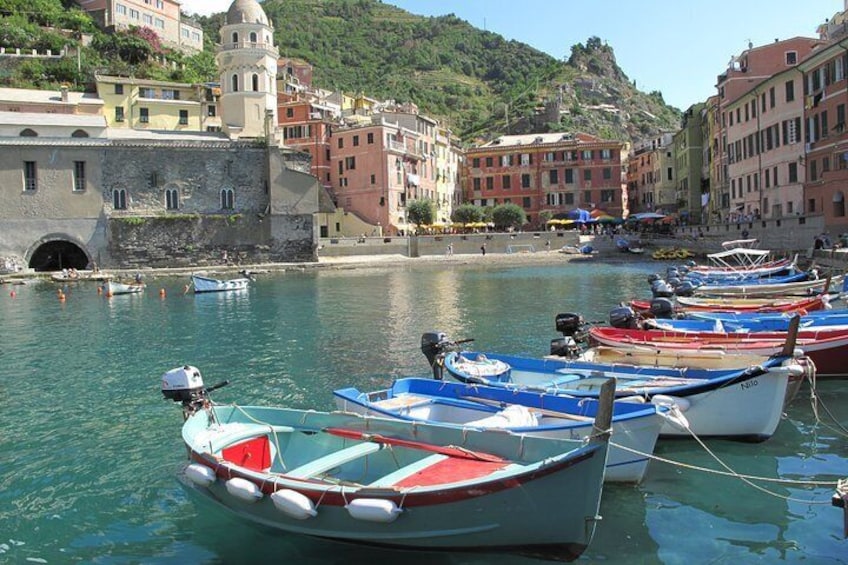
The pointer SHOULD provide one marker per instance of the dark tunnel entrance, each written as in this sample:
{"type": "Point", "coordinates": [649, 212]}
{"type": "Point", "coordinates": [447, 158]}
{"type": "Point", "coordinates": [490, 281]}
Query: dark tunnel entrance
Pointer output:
{"type": "Point", "coordinates": [58, 255]}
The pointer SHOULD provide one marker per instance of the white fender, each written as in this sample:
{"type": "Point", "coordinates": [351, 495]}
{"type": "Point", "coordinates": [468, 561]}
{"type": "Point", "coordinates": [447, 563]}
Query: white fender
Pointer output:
{"type": "Point", "coordinates": [294, 504]}
{"type": "Point", "coordinates": [200, 475]}
{"type": "Point", "coordinates": [243, 489]}
{"type": "Point", "coordinates": [665, 400]}
{"type": "Point", "coordinates": [373, 509]}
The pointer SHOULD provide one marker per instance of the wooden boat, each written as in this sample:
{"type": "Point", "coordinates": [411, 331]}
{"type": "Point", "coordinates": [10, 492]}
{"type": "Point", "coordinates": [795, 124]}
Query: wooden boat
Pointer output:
{"type": "Point", "coordinates": [635, 426]}
{"type": "Point", "coordinates": [826, 348]}
{"type": "Point", "coordinates": [766, 290]}
{"type": "Point", "coordinates": [734, 402]}
{"type": "Point", "coordinates": [684, 304]}
{"type": "Point", "coordinates": [207, 284]}
{"type": "Point", "coordinates": [747, 322]}
{"type": "Point", "coordinates": [112, 288]}
{"type": "Point", "coordinates": [389, 482]}
{"type": "Point", "coordinates": [77, 276]}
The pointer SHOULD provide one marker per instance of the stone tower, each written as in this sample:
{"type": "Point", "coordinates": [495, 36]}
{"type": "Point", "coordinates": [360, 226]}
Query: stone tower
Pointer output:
{"type": "Point", "coordinates": [247, 63]}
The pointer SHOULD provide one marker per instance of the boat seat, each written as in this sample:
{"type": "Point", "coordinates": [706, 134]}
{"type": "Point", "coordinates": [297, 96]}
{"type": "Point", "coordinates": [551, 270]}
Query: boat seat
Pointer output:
{"type": "Point", "coordinates": [333, 460]}
{"type": "Point", "coordinates": [408, 470]}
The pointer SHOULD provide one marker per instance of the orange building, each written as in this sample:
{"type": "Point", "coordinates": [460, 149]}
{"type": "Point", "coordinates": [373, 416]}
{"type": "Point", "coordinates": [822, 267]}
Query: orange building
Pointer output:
{"type": "Point", "coordinates": [554, 171]}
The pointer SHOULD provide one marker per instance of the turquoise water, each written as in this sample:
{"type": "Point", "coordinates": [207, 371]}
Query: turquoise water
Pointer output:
{"type": "Point", "coordinates": [89, 450]}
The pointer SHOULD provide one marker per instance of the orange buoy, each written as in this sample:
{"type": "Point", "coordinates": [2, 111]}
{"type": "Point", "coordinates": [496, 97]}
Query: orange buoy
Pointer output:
{"type": "Point", "coordinates": [99, 289]}
{"type": "Point", "coordinates": [61, 296]}
{"type": "Point", "coordinates": [162, 292]}
{"type": "Point", "coordinates": [13, 294]}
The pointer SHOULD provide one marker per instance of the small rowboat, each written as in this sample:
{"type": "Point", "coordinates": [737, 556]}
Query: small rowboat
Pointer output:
{"type": "Point", "coordinates": [393, 483]}
{"type": "Point", "coordinates": [740, 304]}
{"type": "Point", "coordinates": [635, 426]}
{"type": "Point", "coordinates": [737, 402]}
{"type": "Point", "coordinates": [112, 288]}
{"type": "Point", "coordinates": [826, 348]}
{"type": "Point", "coordinates": [207, 284]}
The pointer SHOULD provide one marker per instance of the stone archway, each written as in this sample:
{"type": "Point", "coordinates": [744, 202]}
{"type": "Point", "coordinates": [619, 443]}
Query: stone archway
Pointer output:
{"type": "Point", "coordinates": [58, 254]}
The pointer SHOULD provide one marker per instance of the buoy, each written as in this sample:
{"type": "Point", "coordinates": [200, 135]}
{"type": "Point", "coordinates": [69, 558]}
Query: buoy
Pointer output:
{"type": "Point", "coordinates": [293, 503]}
{"type": "Point", "coordinates": [61, 296]}
{"type": "Point", "coordinates": [162, 292]}
{"type": "Point", "coordinates": [185, 290]}
{"type": "Point", "coordinates": [99, 289]}
{"type": "Point", "coordinates": [200, 474]}
{"type": "Point", "coordinates": [108, 295]}
{"type": "Point", "coordinates": [373, 509]}
{"type": "Point", "coordinates": [13, 294]}
{"type": "Point", "coordinates": [243, 489]}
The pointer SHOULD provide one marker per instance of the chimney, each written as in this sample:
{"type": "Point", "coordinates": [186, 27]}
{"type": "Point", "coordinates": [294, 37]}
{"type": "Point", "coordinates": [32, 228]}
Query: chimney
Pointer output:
{"type": "Point", "coordinates": [64, 90]}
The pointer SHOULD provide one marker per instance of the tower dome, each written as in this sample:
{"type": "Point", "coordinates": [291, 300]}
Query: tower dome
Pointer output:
{"type": "Point", "coordinates": [246, 11]}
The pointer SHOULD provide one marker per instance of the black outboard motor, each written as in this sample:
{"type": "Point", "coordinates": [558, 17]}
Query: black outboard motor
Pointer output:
{"type": "Point", "coordinates": [565, 347]}
{"type": "Point", "coordinates": [662, 289]}
{"type": "Point", "coordinates": [433, 346]}
{"type": "Point", "coordinates": [569, 323]}
{"type": "Point", "coordinates": [654, 277]}
{"type": "Point", "coordinates": [662, 308]}
{"type": "Point", "coordinates": [623, 317]}
{"type": "Point", "coordinates": [674, 282]}
{"type": "Point", "coordinates": [685, 288]}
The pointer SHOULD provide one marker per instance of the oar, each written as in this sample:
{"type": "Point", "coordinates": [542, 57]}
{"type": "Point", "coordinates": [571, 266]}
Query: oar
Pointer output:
{"type": "Point", "coordinates": [543, 411]}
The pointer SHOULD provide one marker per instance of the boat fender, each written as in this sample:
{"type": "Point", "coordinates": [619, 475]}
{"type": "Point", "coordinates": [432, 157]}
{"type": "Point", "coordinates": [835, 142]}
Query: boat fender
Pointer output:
{"type": "Point", "coordinates": [201, 475]}
{"type": "Point", "coordinates": [293, 503]}
{"type": "Point", "coordinates": [373, 509]}
{"type": "Point", "coordinates": [665, 400]}
{"type": "Point", "coordinates": [243, 489]}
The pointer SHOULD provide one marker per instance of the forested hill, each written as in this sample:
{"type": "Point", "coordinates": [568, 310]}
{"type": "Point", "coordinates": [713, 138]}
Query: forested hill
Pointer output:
{"type": "Point", "coordinates": [478, 82]}
{"type": "Point", "coordinates": [481, 83]}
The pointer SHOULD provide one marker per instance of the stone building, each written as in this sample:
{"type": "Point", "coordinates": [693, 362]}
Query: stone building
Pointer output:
{"type": "Point", "coordinates": [75, 192]}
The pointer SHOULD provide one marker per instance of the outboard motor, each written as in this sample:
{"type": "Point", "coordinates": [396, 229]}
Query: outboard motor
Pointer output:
{"type": "Point", "coordinates": [623, 317]}
{"type": "Point", "coordinates": [674, 282]}
{"type": "Point", "coordinates": [654, 277]}
{"type": "Point", "coordinates": [433, 345]}
{"type": "Point", "coordinates": [685, 288]}
{"type": "Point", "coordinates": [662, 308]}
{"type": "Point", "coordinates": [569, 323]}
{"type": "Point", "coordinates": [672, 272]}
{"type": "Point", "coordinates": [185, 385]}
{"type": "Point", "coordinates": [565, 347]}
{"type": "Point", "coordinates": [662, 289]}
{"type": "Point", "coordinates": [684, 270]}
{"type": "Point", "coordinates": [690, 263]}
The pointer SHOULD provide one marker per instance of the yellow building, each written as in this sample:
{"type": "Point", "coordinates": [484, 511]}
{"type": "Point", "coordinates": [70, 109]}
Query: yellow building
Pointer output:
{"type": "Point", "coordinates": [155, 105]}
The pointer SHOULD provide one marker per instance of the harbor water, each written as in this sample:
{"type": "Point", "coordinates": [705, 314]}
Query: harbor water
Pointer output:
{"type": "Point", "coordinates": [89, 450]}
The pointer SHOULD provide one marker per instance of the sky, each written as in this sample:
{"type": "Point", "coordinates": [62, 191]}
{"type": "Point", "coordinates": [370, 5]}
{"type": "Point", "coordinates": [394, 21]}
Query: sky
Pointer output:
{"type": "Point", "coordinates": [678, 47]}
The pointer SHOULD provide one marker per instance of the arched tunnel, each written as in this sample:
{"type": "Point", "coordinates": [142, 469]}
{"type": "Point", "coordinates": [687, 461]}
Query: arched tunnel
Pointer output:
{"type": "Point", "coordinates": [58, 255]}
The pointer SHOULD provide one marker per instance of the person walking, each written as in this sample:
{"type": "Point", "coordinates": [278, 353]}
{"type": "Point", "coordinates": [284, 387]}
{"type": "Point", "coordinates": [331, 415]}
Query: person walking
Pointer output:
{"type": "Point", "coordinates": [483, 248]}
{"type": "Point", "coordinates": [450, 249]}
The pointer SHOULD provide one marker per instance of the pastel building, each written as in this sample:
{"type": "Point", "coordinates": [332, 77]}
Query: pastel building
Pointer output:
{"type": "Point", "coordinates": [651, 175]}
{"type": "Point", "coordinates": [553, 172]}
{"type": "Point", "coordinates": [157, 105]}
{"type": "Point", "coordinates": [765, 148]}
{"type": "Point", "coordinates": [823, 78]}
{"type": "Point", "coordinates": [745, 73]}
{"type": "Point", "coordinates": [161, 16]}
{"type": "Point", "coordinates": [688, 156]}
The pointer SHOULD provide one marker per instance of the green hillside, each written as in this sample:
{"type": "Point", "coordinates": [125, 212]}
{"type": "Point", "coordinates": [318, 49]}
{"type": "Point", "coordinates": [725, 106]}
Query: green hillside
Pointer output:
{"type": "Point", "coordinates": [477, 81]}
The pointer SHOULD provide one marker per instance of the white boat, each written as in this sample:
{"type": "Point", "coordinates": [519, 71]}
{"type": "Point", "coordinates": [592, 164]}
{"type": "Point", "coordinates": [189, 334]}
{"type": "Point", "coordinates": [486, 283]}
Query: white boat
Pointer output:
{"type": "Point", "coordinates": [207, 284]}
{"type": "Point", "coordinates": [111, 288]}
{"type": "Point", "coordinates": [635, 426]}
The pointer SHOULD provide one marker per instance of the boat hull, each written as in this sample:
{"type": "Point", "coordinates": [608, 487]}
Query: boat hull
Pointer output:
{"type": "Point", "coordinates": [204, 284]}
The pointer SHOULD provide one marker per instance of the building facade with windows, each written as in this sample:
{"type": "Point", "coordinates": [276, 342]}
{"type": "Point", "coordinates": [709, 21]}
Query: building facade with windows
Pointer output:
{"type": "Point", "coordinates": [154, 105]}
{"type": "Point", "coordinates": [555, 172]}
{"type": "Point", "coordinates": [651, 175]}
{"type": "Point", "coordinates": [825, 161]}
{"type": "Point", "coordinates": [688, 156]}
{"type": "Point", "coordinates": [765, 149]}
{"type": "Point", "coordinates": [161, 16]}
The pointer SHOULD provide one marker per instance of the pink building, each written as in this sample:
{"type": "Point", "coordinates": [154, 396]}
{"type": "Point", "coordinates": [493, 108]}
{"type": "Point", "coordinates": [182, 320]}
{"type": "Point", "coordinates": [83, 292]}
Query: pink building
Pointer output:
{"type": "Point", "coordinates": [746, 131]}
{"type": "Point", "coordinates": [765, 149]}
{"type": "Point", "coordinates": [826, 159]}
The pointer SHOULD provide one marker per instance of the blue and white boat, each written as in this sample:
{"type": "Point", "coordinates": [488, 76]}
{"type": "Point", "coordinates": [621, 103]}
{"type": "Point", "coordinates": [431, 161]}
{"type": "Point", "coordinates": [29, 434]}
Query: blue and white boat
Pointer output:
{"type": "Point", "coordinates": [635, 426]}
{"type": "Point", "coordinates": [743, 403]}
{"type": "Point", "coordinates": [389, 482]}
{"type": "Point", "coordinates": [207, 284]}
{"type": "Point", "coordinates": [741, 322]}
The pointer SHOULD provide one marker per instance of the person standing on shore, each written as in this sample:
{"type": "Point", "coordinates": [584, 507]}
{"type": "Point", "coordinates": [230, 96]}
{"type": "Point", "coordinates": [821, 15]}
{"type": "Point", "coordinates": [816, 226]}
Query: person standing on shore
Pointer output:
{"type": "Point", "coordinates": [483, 248]}
{"type": "Point", "coordinates": [450, 249]}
